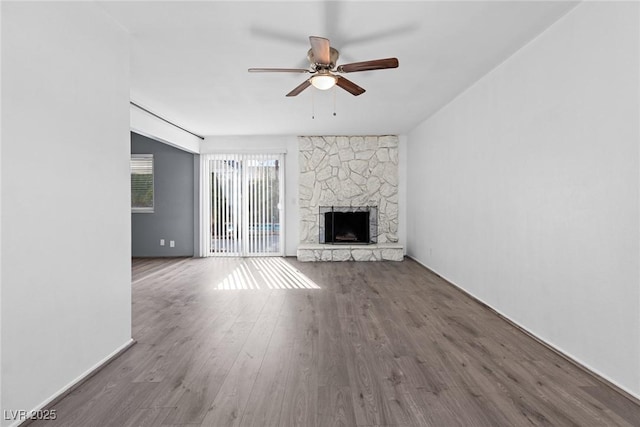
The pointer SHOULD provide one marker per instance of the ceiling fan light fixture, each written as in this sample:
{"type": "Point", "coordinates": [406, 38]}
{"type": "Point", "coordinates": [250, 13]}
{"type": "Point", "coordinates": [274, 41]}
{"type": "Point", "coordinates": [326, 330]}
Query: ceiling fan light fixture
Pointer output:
{"type": "Point", "coordinates": [323, 81]}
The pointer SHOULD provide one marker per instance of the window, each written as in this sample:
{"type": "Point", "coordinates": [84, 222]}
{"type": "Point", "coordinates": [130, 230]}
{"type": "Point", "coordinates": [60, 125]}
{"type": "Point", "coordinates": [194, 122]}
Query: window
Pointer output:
{"type": "Point", "coordinates": [142, 183]}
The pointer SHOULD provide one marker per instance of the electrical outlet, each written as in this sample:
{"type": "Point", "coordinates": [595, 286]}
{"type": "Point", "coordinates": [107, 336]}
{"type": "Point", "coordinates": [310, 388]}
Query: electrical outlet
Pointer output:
{"type": "Point", "coordinates": [161, 242]}
{"type": "Point", "coordinates": [172, 243]}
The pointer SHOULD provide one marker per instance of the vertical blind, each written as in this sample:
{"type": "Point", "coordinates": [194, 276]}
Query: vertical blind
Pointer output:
{"type": "Point", "coordinates": [242, 204]}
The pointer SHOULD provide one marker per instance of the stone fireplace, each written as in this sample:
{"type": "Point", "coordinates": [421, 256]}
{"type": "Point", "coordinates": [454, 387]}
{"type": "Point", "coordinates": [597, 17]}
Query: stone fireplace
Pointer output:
{"type": "Point", "coordinates": [348, 178]}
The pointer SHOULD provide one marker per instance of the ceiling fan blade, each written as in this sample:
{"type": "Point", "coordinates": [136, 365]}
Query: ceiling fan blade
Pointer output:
{"type": "Point", "coordinates": [321, 50]}
{"type": "Point", "coordinates": [349, 86]}
{"type": "Point", "coordinates": [305, 84]}
{"type": "Point", "coordinates": [277, 35]}
{"type": "Point", "coordinates": [376, 64]}
{"type": "Point", "coordinates": [278, 70]}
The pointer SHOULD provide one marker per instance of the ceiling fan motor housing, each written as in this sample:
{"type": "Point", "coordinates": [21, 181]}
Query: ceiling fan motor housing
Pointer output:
{"type": "Point", "coordinates": [334, 55]}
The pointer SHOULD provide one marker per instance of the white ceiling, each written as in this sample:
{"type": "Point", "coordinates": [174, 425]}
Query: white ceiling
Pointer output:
{"type": "Point", "coordinates": [189, 60]}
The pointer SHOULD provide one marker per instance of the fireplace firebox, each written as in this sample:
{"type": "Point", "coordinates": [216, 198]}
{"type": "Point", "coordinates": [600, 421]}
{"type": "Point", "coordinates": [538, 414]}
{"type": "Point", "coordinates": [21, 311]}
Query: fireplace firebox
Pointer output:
{"type": "Point", "coordinates": [348, 225]}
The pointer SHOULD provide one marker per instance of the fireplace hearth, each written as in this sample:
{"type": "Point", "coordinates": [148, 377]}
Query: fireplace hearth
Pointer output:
{"type": "Point", "coordinates": [348, 225]}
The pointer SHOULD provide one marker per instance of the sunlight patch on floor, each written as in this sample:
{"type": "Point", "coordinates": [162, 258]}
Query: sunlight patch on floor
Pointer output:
{"type": "Point", "coordinates": [265, 273]}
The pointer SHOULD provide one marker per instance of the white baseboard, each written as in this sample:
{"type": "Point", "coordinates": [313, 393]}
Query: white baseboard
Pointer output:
{"type": "Point", "coordinates": [562, 353]}
{"type": "Point", "coordinates": [76, 382]}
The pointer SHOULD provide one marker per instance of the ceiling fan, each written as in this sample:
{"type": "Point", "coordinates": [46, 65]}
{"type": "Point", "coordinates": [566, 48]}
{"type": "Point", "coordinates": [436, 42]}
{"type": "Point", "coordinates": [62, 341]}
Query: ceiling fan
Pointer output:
{"type": "Point", "coordinates": [323, 58]}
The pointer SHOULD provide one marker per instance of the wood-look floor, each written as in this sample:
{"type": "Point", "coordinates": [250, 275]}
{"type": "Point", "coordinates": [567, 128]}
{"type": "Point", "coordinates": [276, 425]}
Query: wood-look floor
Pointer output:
{"type": "Point", "coordinates": [250, 342]}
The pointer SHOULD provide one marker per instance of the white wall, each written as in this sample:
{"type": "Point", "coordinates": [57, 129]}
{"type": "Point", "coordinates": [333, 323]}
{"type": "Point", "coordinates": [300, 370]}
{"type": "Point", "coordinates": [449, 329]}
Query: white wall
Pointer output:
{"type": "Point", "coordinates": [1, 406]}
{"type": "Point", "coordinates": [66, 293]}
{"type": "Point", "coordinates": [241, 144]}
{"type": "Point", "coordinates": [524, 190]}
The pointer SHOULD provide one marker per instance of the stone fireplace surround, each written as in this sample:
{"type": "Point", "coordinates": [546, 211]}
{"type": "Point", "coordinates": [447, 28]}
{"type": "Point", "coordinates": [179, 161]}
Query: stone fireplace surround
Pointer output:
{"type": "Point", "coordinates": [349, 171]}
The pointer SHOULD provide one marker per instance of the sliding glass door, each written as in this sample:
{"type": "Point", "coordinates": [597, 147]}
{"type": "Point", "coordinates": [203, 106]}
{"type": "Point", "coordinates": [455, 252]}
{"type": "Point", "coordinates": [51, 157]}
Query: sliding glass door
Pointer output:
{"type": "Point", "coordinates": [244, 204]}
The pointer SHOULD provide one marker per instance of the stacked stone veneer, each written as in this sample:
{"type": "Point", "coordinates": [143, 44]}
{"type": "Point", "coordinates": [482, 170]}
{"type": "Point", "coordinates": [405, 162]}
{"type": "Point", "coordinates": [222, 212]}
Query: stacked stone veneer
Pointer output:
{"type": "Point", "coordinates": [348, 171]}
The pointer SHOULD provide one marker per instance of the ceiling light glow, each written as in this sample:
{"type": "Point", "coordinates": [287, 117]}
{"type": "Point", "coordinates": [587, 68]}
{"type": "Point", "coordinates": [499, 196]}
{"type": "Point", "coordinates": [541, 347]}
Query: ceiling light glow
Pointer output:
{"type": "Point", "coordinates": [323, 81]}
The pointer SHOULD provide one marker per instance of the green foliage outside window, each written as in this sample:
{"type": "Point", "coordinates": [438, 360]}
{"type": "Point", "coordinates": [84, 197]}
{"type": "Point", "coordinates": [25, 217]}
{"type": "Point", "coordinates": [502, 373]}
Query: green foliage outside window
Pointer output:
{"type": "Point", "coordinates": [141, 190]}
{"type": "Point", "coordinates": [142, 183]}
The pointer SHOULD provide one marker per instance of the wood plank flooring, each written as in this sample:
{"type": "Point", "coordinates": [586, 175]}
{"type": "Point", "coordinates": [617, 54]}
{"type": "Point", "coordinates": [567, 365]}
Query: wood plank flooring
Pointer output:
{"type": "Point", "coordinates": [274, 342]}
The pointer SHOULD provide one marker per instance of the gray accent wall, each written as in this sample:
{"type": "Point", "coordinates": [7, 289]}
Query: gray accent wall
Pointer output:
{"type": "Point", "coordinates": [174, 202]}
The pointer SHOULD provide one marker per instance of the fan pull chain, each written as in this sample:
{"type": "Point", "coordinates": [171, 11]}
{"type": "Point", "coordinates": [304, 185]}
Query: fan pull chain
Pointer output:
{"type": "Point", "coordinates": [334, 101]}
{"type": "Point", "coordinates": [313, 105]}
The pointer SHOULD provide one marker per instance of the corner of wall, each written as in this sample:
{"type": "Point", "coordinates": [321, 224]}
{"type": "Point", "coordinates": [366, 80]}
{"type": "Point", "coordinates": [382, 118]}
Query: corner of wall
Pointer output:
{"type": "Point", "coordinates": [150, 126]}
{"type": "Point", "coordinates": [1, 192]}
{"type": "Point", "coordinates": [402, 191]}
